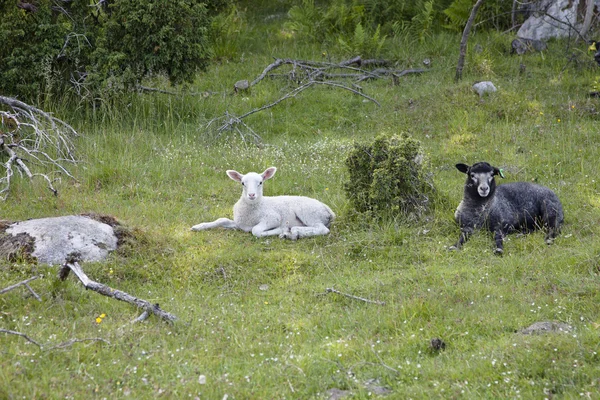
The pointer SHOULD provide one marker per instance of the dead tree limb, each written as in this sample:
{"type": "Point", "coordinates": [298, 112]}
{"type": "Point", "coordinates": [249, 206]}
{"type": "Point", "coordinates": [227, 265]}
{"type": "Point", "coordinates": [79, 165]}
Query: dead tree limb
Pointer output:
{"type": "Point", "coordinates": [24, 336]}
{"type": "Point", "coordinates": [71, 342]}
{"type": "Point", "coordinates": [332, 290]}
{"type": "Point", "coordinates": [464, 39]}
{"type": "Point", "coordinates": [58, 346]}
{"type": "Point", "coordinates": [307, 74]}
{"type": "Point", "coordinates": [23, 283]}
{"type": "Point", "coordinates": [32, 138]}
{"type": "Point", "coordinates": [104, 290]}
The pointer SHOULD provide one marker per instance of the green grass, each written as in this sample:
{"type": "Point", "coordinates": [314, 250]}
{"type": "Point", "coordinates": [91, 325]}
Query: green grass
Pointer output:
{"type": "Point", "coordinates": [153, 165]}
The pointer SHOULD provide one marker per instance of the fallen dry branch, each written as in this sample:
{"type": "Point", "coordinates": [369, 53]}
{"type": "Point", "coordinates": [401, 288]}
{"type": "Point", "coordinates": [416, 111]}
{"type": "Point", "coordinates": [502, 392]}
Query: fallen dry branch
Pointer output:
{"type": "Point", "coordinates": [306, 74]}
{"type": "Point", "coordinates": [71, 342]}
{"type": "Point", "coordinates": [305, 71]}
{"type": "Point", "coordinates": [332, 290]}
{"type": "Point", "coordinates": [104, 290]}
{"type": "Point", "coordinates": [23, 283]}
{"type": "Point", "coordinates": [24, 336]}
{"type": "Point", "coordinates": [32, 139]}
{"type": "Point", "coordinates": [58, 346]}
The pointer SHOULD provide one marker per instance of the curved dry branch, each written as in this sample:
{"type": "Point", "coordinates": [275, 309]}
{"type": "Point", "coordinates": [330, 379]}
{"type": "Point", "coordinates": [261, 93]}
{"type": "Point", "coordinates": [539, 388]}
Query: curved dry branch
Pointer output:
{"type": "Point", "coordinates": [72, 265]}
{"type": "Point", "coordinates": [33, 139]}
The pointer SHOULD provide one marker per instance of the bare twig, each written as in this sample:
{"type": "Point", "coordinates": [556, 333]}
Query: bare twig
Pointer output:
{"type": "Point", "coordinates": [58, 346]}
{"type": "Point", "coordinates": [143, 316]}
{"type": "Point", "coordinates": [332, 290]}
{"type": "Point", "coordinates": [381, 361]}
{"type": "Point", "coordinates": [23, 283]}
{"type": "Point", "coordinates": [114, 293]}
{"type": "Point", "coordinates": [24, 336]}
{"type": "Point", "coordinates": [31, 137]}
{"type": "Point", "coordinates": [73, 341]}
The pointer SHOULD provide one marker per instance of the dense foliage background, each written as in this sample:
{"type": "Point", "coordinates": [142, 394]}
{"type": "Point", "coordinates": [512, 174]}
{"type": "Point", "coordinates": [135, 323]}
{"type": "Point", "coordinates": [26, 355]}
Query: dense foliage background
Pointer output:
{"type": "Point", "coordinates": [57, 48]}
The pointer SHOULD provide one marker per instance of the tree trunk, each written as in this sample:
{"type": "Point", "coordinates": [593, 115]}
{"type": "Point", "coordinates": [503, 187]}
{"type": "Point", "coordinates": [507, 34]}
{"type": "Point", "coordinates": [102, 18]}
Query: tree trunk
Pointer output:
{"type": "Point", "coordinates": [587, 21]}
{"type": "Point", "coordinates": [463, 41]}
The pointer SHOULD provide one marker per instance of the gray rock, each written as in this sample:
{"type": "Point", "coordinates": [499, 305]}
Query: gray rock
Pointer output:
{"type": "Point", "coordinates": [241, 86]}
{"type": "Point", "coordinates": [484, 87]}
{"type": "Point", "coordinates": [551, 19]}
{"type": "Point", "coordinates": [56, 238]}
{"type": "Point", "coordinates": [546, 327]}
{"type": "Point", "coordinates": [336, 394]}
{"type": "Point", "coordinates": [522, 46]}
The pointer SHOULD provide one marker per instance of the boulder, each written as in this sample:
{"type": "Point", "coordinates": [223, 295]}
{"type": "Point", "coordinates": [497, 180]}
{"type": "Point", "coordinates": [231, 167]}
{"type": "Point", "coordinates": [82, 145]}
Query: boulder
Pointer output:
{"type": "Point", "coordinates": [51, 240]}
{"type": "Point", "coordinates": [551, 19]}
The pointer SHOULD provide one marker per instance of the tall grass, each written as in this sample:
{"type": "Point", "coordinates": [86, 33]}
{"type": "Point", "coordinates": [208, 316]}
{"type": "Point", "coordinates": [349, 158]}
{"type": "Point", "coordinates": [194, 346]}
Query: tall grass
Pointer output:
{"type": "Point", "coordinates": [255, 320]}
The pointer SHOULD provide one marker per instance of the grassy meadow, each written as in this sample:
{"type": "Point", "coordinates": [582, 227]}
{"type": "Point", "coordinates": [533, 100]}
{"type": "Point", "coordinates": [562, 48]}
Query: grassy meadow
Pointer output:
{"type": "Point", "coordinates": [254, 318]}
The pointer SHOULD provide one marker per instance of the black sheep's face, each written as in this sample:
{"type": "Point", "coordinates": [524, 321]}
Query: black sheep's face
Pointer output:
{"type": "Point", "coordinates": [480, 178]}
{"type": "Point", "coordinates": [483, 181]}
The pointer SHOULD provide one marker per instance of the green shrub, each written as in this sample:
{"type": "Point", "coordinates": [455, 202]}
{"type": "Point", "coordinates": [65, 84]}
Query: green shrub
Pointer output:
{"type": "Point", "coordinates": [98, 50]}
{"type": "Point", "coordinates": [387, 177]}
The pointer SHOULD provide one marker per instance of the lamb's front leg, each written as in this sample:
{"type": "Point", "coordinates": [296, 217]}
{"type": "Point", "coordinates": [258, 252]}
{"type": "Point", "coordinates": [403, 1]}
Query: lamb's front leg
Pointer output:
{"type": "Point", "coordinates": [264, 229]}
{"type": "Point", "coordinates": [219, 223]}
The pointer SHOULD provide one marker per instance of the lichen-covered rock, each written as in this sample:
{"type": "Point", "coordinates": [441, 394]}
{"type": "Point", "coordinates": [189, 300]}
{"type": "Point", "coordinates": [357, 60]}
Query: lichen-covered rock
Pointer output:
{"type": "Point", "coordinates": [55, 238]}
{"type": "Point", "coordinates": [551, 19]}
{"type": "Point", "coordinates": [546, 327]}
{"type": "Point", "coordinates": [482, 88]}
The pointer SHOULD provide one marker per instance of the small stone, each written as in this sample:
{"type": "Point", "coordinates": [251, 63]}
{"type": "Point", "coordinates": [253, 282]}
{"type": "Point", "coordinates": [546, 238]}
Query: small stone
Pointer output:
{"type": "Point", "coordinates": [202, 379]}
{"type": "Point", "coordinates": [240, 86]}
{"type": "Point", "coordinates": [484, 87]}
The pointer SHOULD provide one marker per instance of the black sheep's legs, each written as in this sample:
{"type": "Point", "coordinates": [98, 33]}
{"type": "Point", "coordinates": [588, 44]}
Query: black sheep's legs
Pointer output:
{"type": "Point", "coordinates": [499, 239]}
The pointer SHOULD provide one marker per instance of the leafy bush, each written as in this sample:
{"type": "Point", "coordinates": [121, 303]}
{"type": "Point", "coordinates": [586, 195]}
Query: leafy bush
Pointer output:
{"type": "Point", "coordinates": [113, 45]}
{"type": "Point", "coordinates": [387, 177]}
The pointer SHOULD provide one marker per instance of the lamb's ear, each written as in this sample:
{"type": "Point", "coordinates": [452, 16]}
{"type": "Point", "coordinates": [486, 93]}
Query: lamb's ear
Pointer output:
{"type": "Point", "coordinates": [268, 174]}
{"type": "Point", "coordinates": [498, 171]}
{"type": "Point", "coordinates": [236, 176]}
{"type": "Point", "coordinates": [464, 168]}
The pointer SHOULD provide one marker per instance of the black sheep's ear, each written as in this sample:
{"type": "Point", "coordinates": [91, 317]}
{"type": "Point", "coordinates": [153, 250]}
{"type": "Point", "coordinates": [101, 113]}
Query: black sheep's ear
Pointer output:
{"type": "Point", "coordinates": [498, 171]}
{"type": "Point", "coordinates": [464, 168]}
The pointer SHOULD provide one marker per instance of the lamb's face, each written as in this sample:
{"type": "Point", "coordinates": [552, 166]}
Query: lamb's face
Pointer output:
{"type": "Point", "coordinates": [252, 184]}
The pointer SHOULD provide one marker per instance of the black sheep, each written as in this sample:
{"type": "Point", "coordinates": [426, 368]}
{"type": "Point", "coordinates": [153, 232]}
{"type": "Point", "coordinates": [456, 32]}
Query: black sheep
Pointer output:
{"type": "Point", "coordinates": [518, 206]}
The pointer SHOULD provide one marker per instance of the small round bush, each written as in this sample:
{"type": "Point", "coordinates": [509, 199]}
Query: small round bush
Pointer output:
{"type": "Point", "coordinates": [387, 177]}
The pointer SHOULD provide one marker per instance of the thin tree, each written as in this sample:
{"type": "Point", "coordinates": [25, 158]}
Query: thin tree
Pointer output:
{"type": "Point", "coordinates": [463, 41]}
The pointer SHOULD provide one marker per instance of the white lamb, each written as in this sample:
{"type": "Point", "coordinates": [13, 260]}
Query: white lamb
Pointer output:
{"type": "Point", "coordinates": [290, 217]}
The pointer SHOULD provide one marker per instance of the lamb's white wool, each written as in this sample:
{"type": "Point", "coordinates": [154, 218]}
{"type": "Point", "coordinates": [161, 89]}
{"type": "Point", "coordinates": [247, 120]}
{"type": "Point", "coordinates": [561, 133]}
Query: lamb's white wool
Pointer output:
{"type": "Point", "coordinates": [290, 217]}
